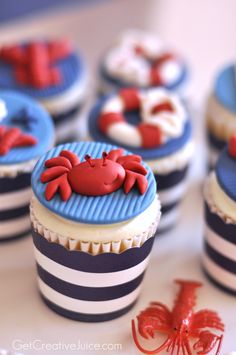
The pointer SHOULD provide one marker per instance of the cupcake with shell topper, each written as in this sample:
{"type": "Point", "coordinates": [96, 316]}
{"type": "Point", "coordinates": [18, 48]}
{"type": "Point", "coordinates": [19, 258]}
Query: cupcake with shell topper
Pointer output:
{"type": "Point", "coordinates": [139, 58]}
{"type": "Point", "coordinates": [154, 124]}
{"type": "Point", "coordinates": [221, 112]}
{"type": "Point", "coordinates": [219, 259]}
{"type": "Point", "coordinates": [26, 132]}
{"type": "Point", "coordinates": [94, 213]}
{"type": "Point", "coordinates": [52, 72]}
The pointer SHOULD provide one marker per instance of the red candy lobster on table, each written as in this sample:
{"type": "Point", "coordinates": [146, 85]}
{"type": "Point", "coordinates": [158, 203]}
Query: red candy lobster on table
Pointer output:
{"type": "Point", "coordinates": [181, 324]}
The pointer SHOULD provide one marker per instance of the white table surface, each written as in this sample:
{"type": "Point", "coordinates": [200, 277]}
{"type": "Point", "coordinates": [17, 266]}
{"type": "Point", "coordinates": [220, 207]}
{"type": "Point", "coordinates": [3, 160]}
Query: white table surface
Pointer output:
{"type": "Point", "coordinates": [23, 316]}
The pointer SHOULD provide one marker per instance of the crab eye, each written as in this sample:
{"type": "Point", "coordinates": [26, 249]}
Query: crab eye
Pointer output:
{"type": "Point", "coordinates": [104, 156]}
{"type": "Point", "coordinates": [89, 160]}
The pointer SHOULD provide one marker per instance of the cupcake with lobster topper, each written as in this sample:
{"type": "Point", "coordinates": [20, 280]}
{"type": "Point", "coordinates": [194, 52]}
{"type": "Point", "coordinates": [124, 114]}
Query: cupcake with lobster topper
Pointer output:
{"type": "Point", "coordinates": [154, 124]}
{"type": "Point", "coordinates": [221, 112]}
{"type": "Point", "coordinates": [26, 132]}
{"type": "Point", "coordinates": [94, 214]}
{"type": "Point", "coordinates": [51, 72]}
{"type": "Point", "coordinates": [219, 259]}
{"type": "Point", "coordinates": [138, 58]}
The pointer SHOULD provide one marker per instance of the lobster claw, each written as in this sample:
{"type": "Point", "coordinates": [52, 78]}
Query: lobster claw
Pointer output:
{"type": "Point", "coordinates": [207, 341]}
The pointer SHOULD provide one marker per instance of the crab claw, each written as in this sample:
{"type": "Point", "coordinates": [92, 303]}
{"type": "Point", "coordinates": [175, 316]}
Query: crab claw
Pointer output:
{"type": "Point", "coordinates": [207, 341]}
{"type": "Point", "coordinates": [132, 178]}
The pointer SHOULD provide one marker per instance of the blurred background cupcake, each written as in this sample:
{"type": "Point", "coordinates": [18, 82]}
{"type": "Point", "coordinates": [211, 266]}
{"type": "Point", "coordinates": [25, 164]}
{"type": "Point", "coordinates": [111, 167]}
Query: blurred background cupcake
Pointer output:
{"type": "Point", "coordinates": [139, 58]}
{"type": "Point", "coordinates": [94, 214]}
{"type": "Point", "coordinates": [219, 260]}
{"type": "Point", "coordinates": [154, 124]}
{"type": "Point", "coordinates": [221, 112]}
{"type": "Point", "coordinates": [52, 72]}
{"type": "Point", "coordinates": [26, 132]}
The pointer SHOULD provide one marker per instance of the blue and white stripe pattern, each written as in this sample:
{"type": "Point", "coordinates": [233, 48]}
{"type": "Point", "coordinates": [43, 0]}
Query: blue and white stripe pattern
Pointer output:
{"type": "Point", "coordinates": [15, 193]}
{"type": "Point", "coordinates": [171, 188]}
{"type": "Point", "coordinates": [86, 287]}
{"type": "Point", "coordinates": [219, 259]}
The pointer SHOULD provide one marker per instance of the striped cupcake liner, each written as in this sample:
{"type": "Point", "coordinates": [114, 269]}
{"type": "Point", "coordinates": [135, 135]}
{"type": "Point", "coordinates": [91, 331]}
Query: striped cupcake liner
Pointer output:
{"type": "Point", "coordinates": [87, 287]}
{"type": "Point", "coordinates": [219, 257]}
{"type": "Point", "coordinates": [171, 188]}
{"type": "Point", "coordinates": [15, 194]}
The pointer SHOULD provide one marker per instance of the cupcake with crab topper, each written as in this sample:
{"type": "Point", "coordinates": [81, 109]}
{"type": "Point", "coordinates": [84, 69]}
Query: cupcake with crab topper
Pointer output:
{"type": "Point", "coordinates": [221, 112]}
{"type": "Point", "coordinates": [52, 72]}
{"type": "Point", "coordinates": [94, 213]}
{"type": "Point", "coordinates": [26, 132]}
{"type": "Point", "coordinates": [219, 259]}
{"type": "Point", "coordinates": [139, 58]}
{"type": "Point", "coordinates": [155, 124]}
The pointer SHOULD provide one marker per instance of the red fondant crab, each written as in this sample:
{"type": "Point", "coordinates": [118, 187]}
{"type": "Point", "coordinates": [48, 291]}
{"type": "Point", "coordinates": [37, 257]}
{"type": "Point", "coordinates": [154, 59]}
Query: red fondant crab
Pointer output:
{"type": "Point", "coordinates": [93, 177]}
{"type": "Point", "coordinates": [13, 137]}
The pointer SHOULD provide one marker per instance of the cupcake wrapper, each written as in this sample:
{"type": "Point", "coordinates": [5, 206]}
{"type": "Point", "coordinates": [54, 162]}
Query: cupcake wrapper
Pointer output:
{"type": "Point", "coordinates": [85, 287]}
{"type": "Point", "coordinates": [15, 194]}
{"type": "Point", "coordinates": [171, 189]}
{"type": "Point", "coordinates": [219, 258]}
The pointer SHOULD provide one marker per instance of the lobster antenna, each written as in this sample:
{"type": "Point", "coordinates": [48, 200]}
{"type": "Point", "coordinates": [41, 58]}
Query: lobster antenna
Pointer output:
{"type": "Point", "coordinates": [104, 157]}
{"type": "Point", "coordinates": [89, 160]}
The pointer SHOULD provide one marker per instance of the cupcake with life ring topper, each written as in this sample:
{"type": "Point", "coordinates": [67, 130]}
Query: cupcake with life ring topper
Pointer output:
{"type": "Point", "coordinates": [26, 132]}
{"type": "Point", "coordinates": [139, 58]}
{"type": "Point", "coordinates": [153, 123]}
{"type": "Point", "coordinates": [94, 215]}
{"type": "Point", "coordinates": [219, 258]}
{"type": "Point", "coordinates": [221, 112]}
{"type": "Point", "coordinates": [52, 72]}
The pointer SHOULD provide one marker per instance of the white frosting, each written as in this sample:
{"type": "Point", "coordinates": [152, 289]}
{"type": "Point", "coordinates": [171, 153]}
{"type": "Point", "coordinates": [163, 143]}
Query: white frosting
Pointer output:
{"type": "Point", "coordinates": [218, 201]}
{"type": "Point", "coordinates": [123, 62]}
{"type": "Point", "coordinates": [3, 110]}
{"type": "Point", "coordinates": [12, 170]}
{"type": "Point", "coordinates": [93, 232]}
{"type": "Point", "coordinates": [221, 122]}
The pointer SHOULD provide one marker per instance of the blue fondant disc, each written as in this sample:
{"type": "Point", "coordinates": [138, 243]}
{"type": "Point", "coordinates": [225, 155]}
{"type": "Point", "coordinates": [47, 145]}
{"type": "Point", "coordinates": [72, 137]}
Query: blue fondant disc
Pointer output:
{"type": "Point", "coordinates": [226, 173]}
{"type": "Point", "coordinates": [225, 87]}
{"type": "Point", "coordinates": [72, 69]}
{"type": "Point", "coordinates": [40, 126]}
{"type": "Point", "coordinates": [112, 208]}
{"type": "Point", "coordinates": [134, 118]}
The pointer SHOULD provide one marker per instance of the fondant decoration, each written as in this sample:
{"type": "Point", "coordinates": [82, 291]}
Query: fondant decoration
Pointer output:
{"type": "Point", "coordinates": [35, 63]}
{"type": "Point", "coordinates": [13, 137]}
{"type": "Point", "coordinates": [94, 177]}
{"type": "Point", "coordinates": [232, 146]}
{"type": "Point", "coordinates": [3, 110]}
{"type": "Point", "coordinates": [162, 115]}
{"type": "Point", "coordinates": [140, 59]}
{"type": "Point", "coordinates": [24, 117]}
{"type": "Point", "coordinates": [181, 324]}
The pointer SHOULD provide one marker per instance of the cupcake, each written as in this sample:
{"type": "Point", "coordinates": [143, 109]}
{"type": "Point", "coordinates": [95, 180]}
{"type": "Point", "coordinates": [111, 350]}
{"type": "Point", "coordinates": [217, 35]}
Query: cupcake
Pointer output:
{"type": "Point", "coordinates": [94, 213]}
{"type": "Point", "coordinates": [219, 259]}
{"type": "Point", "coordinates": [53, 73]}
{"type": "Point", "coordinates": [221, 112]}
{"type": "Point", "coordinates": [155, 125]}
{"type": "Point", "coordinates": [26, 132]}
{"type": "Point", "coordinates": [138, 58]}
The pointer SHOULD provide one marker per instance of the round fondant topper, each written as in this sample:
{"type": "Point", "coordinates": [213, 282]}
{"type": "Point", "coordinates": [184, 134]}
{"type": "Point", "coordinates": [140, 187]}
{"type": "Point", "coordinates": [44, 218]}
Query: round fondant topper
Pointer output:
{"type": "Point", "coordinates": [226, 169]}
{"type": "Point", "coordinates": [3, 110]}
{"type": "Point", "coordinates": [26, 131]}
{"type": "Point", "coordinates": [225, 87]}
{"type": "Point", "coordinates": [162, 117]}
{"type": "Point", "coordinates": [84, 184]}
{"type": "Point", "coordinates": [139, 58]}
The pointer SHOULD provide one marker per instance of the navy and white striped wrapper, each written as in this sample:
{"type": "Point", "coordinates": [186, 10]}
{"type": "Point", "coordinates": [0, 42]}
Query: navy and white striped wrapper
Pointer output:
{"type": "Point", "coordinates": [86, 287]}
{"type": "Point", "coordinates": [219, 259]}
{"type": "Point", "coordinates": [15, 193]}
{"type": "Point", "coordinates": [171, 188]}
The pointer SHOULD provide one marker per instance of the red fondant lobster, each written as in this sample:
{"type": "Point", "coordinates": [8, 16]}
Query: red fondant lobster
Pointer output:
{"type": "Point", "coordinates": [93, 177]}
{"type": "Point", "coordinates": [34, 64]}
{"type": "Point", "coordinates": [12, 137]}
{"type": "Point", "coordinates": [181, 324]}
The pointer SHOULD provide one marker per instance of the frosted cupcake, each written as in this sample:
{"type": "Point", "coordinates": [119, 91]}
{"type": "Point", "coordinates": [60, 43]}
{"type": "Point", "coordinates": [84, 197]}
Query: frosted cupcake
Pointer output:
{"type": "Point", "coordinates": [51, 72]}
{"type": "Point", "coordinates": [154, 124]}
{"type": "Point", "coordinates": [94, 214]}
{"type": "Point", "coordinates": [26, 132]}
{"type": "Point", "coordinates": [138, 58]}
{"type": "Point", "coordinates": [221, 112]}
{"type": "Point", "coordinates": [219, 258]}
